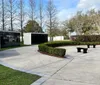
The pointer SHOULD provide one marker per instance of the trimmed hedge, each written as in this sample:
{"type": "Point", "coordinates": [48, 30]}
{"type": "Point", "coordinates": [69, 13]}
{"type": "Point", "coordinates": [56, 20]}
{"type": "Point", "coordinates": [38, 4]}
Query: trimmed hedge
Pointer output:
{"type": "Point", "coordinates": [52, 51]}
{"type": "Point", "coordinates": [86, 38]}
{"type": "Point", "coordinates": [50, 47]}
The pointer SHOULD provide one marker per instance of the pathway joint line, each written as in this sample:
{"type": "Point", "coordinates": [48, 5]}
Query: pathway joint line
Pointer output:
{"type": "Point", "coordinates": [57, 71]}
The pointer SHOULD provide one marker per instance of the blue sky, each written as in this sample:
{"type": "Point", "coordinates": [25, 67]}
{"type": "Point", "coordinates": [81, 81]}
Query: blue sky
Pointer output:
{"type": "Point", "coordinates": [68, 8]}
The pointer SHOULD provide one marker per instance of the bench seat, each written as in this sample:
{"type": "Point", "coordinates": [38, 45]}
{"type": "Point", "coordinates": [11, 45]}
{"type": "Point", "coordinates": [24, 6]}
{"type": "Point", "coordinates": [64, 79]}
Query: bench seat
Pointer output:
{"type": "Point", "coordinates": [94, 46]}
{"type": "Point", "coordinates": [81, 48]}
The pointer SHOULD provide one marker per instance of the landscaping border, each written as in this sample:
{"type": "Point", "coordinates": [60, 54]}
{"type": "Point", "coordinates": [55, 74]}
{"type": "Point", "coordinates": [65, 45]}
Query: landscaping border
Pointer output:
{"type": "Point", "coordinates": [50, 47]}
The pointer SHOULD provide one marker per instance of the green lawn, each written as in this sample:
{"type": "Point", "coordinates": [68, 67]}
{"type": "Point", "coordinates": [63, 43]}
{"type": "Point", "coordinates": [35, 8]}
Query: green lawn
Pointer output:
{"type": "Point", "coordinates": [9, 76]}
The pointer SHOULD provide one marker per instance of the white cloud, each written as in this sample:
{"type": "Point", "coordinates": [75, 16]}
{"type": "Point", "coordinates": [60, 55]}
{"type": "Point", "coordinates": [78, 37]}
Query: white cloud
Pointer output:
{"type": "Point", "coordinates": [88, 4]}
{"type": "Point", "coordinates": [66, 14]}
{"type": "Point", "coordinates": [83, 5]}
{"type": "Point", "coordinates": [68, 8]}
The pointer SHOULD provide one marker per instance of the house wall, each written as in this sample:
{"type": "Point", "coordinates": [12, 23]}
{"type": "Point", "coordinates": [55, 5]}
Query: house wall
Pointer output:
{"type": "Point", "coordinates": [57, 38]}
{"type": "Point", "coordinates": [27, 38]}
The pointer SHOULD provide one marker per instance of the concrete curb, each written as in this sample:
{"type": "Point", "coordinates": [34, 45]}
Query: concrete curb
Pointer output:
{"type": "Point", "coordinates": [40, 81]}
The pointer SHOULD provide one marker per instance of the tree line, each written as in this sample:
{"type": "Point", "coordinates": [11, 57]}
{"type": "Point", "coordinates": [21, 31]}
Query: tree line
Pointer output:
{"type": "Point", "coordinates": [87, 23]}
{"type": "Point", "coordinates": [19, 14]}
{"type": "Point", "coordinates": [15, 13]}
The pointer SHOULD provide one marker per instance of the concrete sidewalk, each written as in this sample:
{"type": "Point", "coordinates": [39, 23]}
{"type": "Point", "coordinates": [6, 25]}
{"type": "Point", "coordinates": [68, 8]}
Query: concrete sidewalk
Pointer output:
{"type": "Point", "coordinates": [76, 69]}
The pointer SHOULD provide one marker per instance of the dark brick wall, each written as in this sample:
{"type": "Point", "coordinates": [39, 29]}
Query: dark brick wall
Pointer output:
{"type": "Point", "coordinates": [9, 39]}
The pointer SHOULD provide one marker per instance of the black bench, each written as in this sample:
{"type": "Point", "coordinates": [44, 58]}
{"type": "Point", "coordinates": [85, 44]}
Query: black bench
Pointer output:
{"type": "Point", "coordinates": [94, 46]}
{"type": "Point", "coordinates": [81, 48]}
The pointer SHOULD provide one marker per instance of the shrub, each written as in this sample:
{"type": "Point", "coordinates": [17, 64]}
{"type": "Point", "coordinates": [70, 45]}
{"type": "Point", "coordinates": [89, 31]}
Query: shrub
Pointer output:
{"type": "Point", "coordinates": [87, 38]}
{"type": "Point", "coordinates": [50, 47]}
{"type": "Point", "coordinates": [51, 50]}
{"type": "Point", "coordinates": [62, 43]}
{"type": "Point", "coordinates": [90, 43]}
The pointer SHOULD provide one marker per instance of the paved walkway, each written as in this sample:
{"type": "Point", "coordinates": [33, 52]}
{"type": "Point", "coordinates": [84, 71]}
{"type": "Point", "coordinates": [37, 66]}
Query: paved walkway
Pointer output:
{"type": "Point", "coordinates": [76, 69]}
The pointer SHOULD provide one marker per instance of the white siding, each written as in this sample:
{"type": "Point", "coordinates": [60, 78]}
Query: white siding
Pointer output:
{"type": "Point", "coordinates": [27, 38]}
{"type": "Point", "coordinates": [57, 38]}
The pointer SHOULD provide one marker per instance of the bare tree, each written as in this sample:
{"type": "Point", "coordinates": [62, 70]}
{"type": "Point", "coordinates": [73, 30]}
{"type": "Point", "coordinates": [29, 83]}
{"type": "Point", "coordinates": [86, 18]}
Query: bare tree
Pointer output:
{"type": "Point", "coordinates": [3, 14]}
{"type": "Point", "coordinates": [21, 15]}
{"type": "Point", "coordinates": [11, 11]}
{"type": "Point", "coordinates": [41, 12]}
{"type": "Point", "coordinates": [3, 20]}
{"type": "Point", "coordinates": [32, 6]}
{"type": "Point", "coordinates": [51, 17]}
{"type": "Point", "coordinates": [0, 15]}
{"type": "Point", "coordinates": [32, 9]}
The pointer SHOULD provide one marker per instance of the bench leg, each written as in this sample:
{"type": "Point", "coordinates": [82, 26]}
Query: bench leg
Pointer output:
{"type": "Point", "coordinates": [88, 46]}
{"type": "Point", "coordinates": [93, 46]}
{"type": "Point", "coordinates": [84, 51]}
{"type": "Point", "coordinates": [78, 50]}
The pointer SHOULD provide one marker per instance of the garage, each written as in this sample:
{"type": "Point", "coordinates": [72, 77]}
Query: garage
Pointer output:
{"type": "Point", "coordinates": [35, 38]}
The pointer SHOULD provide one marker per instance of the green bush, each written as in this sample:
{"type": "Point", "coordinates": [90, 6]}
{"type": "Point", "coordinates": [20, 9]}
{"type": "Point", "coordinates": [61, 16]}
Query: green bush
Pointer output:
{"type": "Point", "coordinates": [51, 50]}
{"type": "Point", "coordinates": [87, 38]}
{"type": "Point", "coordinates": [50, 47]}
{"type": "Point", "coordinates": [90, 43]}
{"type": "Point", "coordinates": [62, 43]}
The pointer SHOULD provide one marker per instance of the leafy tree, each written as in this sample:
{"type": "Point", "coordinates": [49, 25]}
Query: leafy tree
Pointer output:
{"type": "Point", "coordinates": [32, 26]}
{"type": "Point", "coordinates": [69, 25]}
{"type": "Point", "coordinates": [64, 33]}
{"type": "Point", "coordinates": [54, 32]}
{"type": "Point", "coordinates": [60, 31]}
{"type": "Point", "coordinates": [84, 23]}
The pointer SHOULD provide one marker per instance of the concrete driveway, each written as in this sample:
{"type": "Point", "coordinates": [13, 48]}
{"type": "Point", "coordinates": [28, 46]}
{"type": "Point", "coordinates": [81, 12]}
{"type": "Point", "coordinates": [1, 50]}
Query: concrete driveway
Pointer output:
{"type": "Point", "coordinates": [75, 69]}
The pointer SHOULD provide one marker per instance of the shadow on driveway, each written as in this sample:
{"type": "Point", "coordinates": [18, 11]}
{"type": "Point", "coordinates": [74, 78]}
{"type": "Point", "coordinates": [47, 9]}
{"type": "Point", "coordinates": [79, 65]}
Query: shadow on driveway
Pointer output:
{"type": "Point", "coordinates": [8, 53]}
